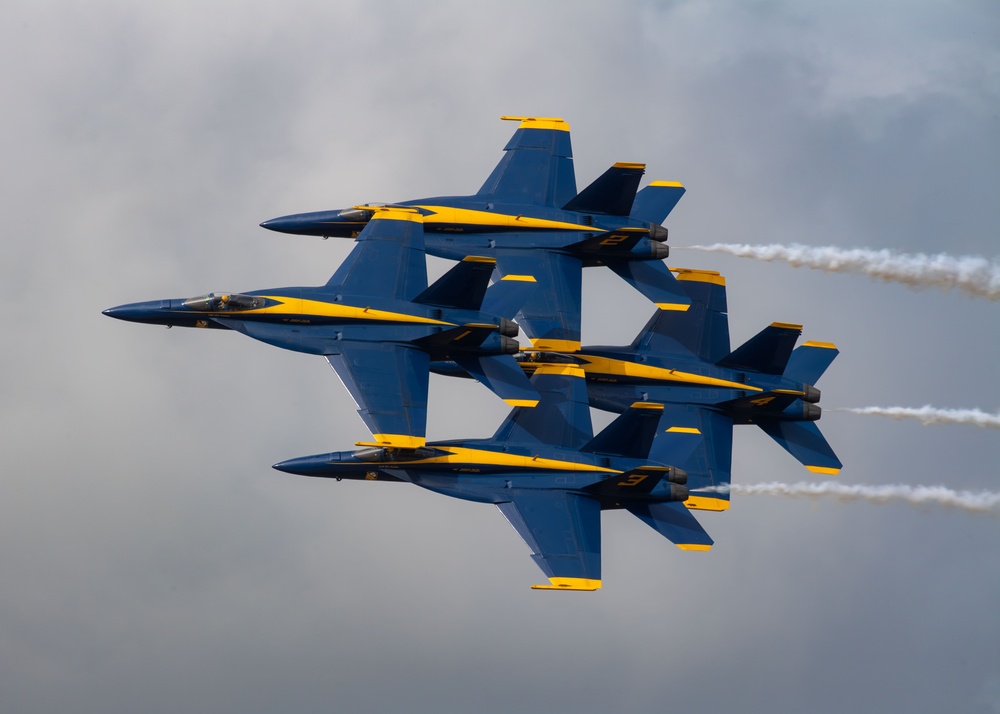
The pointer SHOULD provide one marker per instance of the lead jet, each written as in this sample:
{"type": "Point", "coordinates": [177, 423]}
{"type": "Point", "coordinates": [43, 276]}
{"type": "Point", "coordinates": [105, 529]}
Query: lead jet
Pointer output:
{"type": "Point", "coordinates": [529, 216]}
{"type": "Point", "coordinates": [683, 360]}
{"type": "Point", "coordinates": [378, 324]}
{"type": "Point", "coordinates": [548, 474]}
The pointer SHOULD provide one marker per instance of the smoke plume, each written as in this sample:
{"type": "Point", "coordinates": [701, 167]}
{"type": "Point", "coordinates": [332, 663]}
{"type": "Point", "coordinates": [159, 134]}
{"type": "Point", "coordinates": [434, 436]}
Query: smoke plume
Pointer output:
{"type": "Point", "coordinates": [930, 415]}
{"type": "Point", "coordinates": [975, 275]}
{"type": "Point", "coordinates": [972, 501]}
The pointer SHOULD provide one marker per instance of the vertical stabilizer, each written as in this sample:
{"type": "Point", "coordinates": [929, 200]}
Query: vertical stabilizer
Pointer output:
{"type": "Point", "coordinates": [612, 193]}
{"type": "Point", "coordinates": [631, 434]}
{"type": "Point", "coordinates": [767, 351]}
{"type": "Point", "coordinates": [463, 287]}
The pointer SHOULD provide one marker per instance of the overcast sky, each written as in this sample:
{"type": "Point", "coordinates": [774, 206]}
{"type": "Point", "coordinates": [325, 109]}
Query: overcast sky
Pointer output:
{"type": "Point", "coordinates": [150, 558]}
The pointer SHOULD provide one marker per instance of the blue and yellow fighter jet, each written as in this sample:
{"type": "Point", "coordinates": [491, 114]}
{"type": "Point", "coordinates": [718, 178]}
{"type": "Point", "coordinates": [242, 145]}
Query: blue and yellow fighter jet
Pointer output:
{"type": "Point", "coordinates": [683, 361]}
{"type": "Point", "coordinates": [530, 218]}
{"type": "Point", "coordinates": [379, 324]}
{"type": "Point", "coordinates": [548, 475]}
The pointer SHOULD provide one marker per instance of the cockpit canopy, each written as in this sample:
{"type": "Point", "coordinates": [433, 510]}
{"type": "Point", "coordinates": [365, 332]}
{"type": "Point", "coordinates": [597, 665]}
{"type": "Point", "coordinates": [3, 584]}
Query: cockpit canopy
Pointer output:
{"type": "Point", "coordinates": [224, 302]}
{"type": "Point", "coordinates": [380, 454]}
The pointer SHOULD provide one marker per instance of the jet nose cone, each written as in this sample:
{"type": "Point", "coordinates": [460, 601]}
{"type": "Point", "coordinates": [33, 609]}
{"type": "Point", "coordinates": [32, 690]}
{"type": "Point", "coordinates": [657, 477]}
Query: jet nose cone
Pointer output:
{"type": "Point", "coordinates": [149, 311]}
{"type": "Point", "coordinates": [317, 465]}
{"type": "Point", "coordinates": [274, 224]}
{"type": "Point", "coordinates": [298, 224]}
{"type": "Point", "coordinates": [319, 223]}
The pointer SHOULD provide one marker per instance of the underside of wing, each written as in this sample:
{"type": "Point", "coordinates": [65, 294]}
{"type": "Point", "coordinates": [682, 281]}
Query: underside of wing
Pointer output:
{"type": "Point", "coordinates": [389, 385]}
{"type": "Point", "coordinates": [563, 530]}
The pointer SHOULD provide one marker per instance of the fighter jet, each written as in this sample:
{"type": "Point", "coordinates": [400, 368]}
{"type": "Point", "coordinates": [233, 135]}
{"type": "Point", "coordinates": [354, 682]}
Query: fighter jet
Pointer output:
{"type": "Point", "coordinates": [683, 360]}
{"type": "Point", "coordinates": [379, 324]}
{"type": "Point", "coordinates": [530, 218]}
{"type": "Point", "coordinates": [548, 475]}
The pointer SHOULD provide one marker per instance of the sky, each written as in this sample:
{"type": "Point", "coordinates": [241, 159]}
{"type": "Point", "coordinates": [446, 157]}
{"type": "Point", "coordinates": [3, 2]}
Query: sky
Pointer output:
{"type": "Point", "coordinates": [150, 558]}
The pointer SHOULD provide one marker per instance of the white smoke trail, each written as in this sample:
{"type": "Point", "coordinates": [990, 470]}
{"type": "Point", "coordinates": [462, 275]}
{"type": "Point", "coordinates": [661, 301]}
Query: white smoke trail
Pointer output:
{"type": "Point", "coordinates": [929, 415]}
{"type": "Point", "coordinates": [973, 501]}
{"type": "Point", "coordinates": [975, 275]}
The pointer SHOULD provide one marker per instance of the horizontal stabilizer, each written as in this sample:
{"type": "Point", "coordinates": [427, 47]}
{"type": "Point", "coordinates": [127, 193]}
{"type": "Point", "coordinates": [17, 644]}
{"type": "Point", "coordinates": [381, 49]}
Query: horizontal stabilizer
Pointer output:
{"type": "Point", "coordinates": [463, 287]}
{"type": "Point", "coordinates": [654, 280]}
{"type": "Point", "coordinates": [506, 296]}
{"type": "Point", "coordinates": [503, 376]}
{"type": "Point", "coordinates": [808, 362]}
{"type": "Point", "coordinates": [537, 166]}
{"type": "Point", "coordinates": [611, 193]}
{"type": "Point", "coordinates": [562, 416]}
{"type": "Point", "coordinates": [701, 330]}
{"type": "Point", "coordinates": [388, 258]}
{"type": "Point", "coordinates": [655, 202]}
{"type": "Point", "coordinates": [767, 351]}
{"type": "Point", "coordinates": [674, 521]}
{"type": "Point", "coordinates": [804, 441]}
{"type": "Point", "coordinates": [631, 434]}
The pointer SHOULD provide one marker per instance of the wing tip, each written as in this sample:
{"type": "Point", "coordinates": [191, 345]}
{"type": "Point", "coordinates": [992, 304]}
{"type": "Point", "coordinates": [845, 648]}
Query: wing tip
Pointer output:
{"type": "Point", "coordinates": [577, 584]}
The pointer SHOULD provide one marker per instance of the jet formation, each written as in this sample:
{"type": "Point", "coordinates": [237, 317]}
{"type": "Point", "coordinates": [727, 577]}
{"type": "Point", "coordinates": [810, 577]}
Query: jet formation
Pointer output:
{"type": "Point", "coordinates": [678, 388]}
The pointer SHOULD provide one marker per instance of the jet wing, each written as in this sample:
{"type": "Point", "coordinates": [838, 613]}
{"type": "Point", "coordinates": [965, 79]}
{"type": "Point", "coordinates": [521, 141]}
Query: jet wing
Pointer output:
{"type": "Point", "coordinates": [388, 258]}
{"type": "Point", "coordinates": [550, 314]}
{"type": "Point", "coordinates": [701, 330]}
{"type": "Point", "coordinates": [389, 385]}
{"type": "Point", "coordinates": [563, 530]}
{"type": "Point", "coordinates": [537, 167]}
